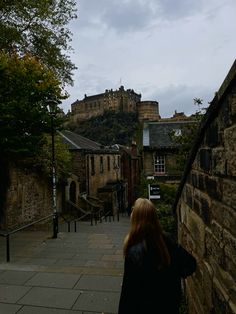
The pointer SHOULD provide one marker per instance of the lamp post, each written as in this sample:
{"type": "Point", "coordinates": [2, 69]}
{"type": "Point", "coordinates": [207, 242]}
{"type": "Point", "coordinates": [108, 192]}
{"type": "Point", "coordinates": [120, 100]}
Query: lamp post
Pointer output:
{"type": "Point", "coordinates": [51, 105]}
{"type": "Point", "coordinates": [117, 169]}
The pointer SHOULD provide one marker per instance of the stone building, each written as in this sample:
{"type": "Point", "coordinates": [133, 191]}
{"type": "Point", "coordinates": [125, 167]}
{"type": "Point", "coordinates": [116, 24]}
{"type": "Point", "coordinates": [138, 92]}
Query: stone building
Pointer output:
{"type": "Point", "coordinates": [93, 168]}
{"type": "Point", "coordinates": [206, 206]}
{"type": "Point", "coordinates": [118, 100]}
{"type": "Point", "coordinates": [160, 151]}
{"type": "Point", "coordinates": [131, 165]}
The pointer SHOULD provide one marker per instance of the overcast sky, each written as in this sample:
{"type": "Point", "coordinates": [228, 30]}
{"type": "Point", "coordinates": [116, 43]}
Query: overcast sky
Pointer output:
{"type": "Point", "coordinates": [170, 51]}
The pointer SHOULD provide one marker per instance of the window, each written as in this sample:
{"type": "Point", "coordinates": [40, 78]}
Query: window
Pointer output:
{"type": "Point", "coordinates": [101, 164]}
{"type": "Point", "coordinates": [159, 163]}
{"type": "Point", "coordinates": [108, 163]}
{"type": "Point", "coordinates": [178, 132]}
{"type": "Point", "coordinates": [92, 165]}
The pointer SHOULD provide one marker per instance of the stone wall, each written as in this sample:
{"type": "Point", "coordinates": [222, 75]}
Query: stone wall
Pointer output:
{"type": "Point", "coordinates": [207, 208]}
{"type": "Point", "coordinates": [28, 198]}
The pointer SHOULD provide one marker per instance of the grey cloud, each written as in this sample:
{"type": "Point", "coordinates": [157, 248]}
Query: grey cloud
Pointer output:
{"type": "Point", "coordinates": [171, 9]}
{"type": "Point", "coordinates": [129, 16]}
{"type": "Point", "coordinates": [180, 98]}
{"type": "Point", "coordinates": [121, 16]}
{"type": "Point", "coordinates": [134, 15]}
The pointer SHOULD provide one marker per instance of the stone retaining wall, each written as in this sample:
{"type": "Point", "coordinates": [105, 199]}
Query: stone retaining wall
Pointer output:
{"type": "Point", "coordinates": [207, 209]}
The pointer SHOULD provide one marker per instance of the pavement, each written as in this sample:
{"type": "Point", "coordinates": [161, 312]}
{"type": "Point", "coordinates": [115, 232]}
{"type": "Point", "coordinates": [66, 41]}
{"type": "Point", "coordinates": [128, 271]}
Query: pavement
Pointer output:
{"type": "Point", "coordinates": [76, 273]}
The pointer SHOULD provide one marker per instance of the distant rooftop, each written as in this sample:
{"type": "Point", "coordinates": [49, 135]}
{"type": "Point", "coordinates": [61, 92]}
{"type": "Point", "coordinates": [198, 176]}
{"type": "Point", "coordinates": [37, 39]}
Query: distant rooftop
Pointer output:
{"type": "Point", "coordinates": [76, 141]}
{"type": "Point", "coordinates": [158, 134]}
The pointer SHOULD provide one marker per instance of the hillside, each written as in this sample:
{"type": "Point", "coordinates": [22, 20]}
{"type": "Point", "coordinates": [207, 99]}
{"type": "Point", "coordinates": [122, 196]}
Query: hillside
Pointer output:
{"type": "Point", "coordinates": [109, 128]}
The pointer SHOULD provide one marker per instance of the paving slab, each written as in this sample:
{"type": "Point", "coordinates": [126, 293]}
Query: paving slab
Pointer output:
{"type": "Point", "coordinates": [45, 310]}
{"type": "Point", "coordinates": [50, 297]}
{"type": "Point", "coordinates": [103, 302]}
{"type": "Point", "coordinates": [99, 283]}
{"type": "Point", "coordinates": [104, 264]}
{"type": "Point", "coordinates": [12, 293]}
{"type": "Point", "coordinates": [15, 277]}
{"type": "Point", "coordinates": [54, 280]}
{"type": "Point", "coordinates": [71, 262]}
{"type": "Point", "coordinates": [37, 261]}
{"type": "Point", "coordinates": [9, 308]}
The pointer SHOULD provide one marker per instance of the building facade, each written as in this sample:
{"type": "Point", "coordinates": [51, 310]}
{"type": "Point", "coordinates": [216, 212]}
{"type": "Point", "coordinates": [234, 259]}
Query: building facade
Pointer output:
{"type": "Point", "coordinates": [93, 168]}
{"type": "Point", "coordinates": [130, 172]}
{"type": "Point", "coordinates": [160, 151]}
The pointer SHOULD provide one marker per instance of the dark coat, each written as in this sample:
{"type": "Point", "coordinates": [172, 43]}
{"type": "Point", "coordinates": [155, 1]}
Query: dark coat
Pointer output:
{"type": "Point", "coordinates": [147, 289]}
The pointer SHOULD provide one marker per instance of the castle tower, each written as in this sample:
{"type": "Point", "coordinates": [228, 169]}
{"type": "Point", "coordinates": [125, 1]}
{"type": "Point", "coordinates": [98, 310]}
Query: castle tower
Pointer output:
{"type": "Point", "coordinates": [148, 110]}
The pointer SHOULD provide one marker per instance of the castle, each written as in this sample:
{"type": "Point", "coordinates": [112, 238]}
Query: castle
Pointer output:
{"type": "Point", "coordinates": [118, 100]}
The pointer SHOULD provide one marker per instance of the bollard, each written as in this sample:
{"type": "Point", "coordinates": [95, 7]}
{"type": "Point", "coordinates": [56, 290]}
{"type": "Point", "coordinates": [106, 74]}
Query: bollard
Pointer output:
{"type": "Point", "coordinates": [8, 247]}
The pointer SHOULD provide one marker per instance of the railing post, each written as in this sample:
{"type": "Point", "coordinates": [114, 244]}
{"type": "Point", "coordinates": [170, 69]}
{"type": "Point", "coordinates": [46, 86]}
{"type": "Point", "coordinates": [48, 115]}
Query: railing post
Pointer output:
{"type": "Point", "coordinates": [68, 226]}
{"type": "Point", "coordinates": [75, 226]}
{"type": "Point", "coordinates": [55, 225]}
{"type": "Point", "coordinates": [8, 247]}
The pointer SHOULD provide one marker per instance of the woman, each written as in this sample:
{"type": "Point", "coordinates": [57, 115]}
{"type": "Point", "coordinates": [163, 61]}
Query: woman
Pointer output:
{"type": "Point", "coordinates": [154, 265]}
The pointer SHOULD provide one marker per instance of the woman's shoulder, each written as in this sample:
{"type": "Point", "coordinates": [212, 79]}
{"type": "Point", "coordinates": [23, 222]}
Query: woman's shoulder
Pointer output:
{"type": "Point", "coordinates": [136, 248]}
{"type": "Point", "coordinates": [135, 252]}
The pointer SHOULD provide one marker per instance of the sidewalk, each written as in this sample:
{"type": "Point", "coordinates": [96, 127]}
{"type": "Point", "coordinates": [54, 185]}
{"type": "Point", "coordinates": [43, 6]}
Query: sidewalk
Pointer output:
{"type": "Point", "coordinates": [75, 273]}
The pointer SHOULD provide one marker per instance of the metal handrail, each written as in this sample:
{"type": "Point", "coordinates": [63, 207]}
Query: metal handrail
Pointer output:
{"type": "Point", "coordinates": [73, 220]}
{"type": "Point", "coordinates": [7, 234]}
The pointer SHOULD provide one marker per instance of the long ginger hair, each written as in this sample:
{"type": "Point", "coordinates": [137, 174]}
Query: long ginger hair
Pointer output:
{"type": "Point", "coordinates": [145, 227]}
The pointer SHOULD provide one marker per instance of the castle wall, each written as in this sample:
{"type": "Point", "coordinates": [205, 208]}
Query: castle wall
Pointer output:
{"type": "Point", "coordinates": [92, 106]}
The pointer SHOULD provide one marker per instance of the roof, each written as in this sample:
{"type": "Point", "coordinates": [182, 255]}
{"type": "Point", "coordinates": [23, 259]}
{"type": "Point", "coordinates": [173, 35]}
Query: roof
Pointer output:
{"type": "Point", "coordinates": [76, 141]}
{"type": "Point", "coordinates": [158, 134]}
{"type": "Point", "coordinates": [209, 116]}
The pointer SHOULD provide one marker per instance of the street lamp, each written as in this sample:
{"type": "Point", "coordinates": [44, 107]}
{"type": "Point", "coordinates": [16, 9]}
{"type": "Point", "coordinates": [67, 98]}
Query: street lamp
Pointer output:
{"type": "Point", "coordinates": [118, 187]}
{"type": "Point", "coordinates": [51, 106]}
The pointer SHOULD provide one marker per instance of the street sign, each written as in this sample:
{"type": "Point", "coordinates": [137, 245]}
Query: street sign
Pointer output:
{"type": "Point", "coordinates": [154, 191]}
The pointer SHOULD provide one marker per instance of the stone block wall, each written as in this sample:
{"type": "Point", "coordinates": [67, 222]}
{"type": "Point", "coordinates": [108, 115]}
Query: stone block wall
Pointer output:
{"type": "Point", "coordinates": [28, 198]}
{"type": "Point", "coordinates": [207, 212]}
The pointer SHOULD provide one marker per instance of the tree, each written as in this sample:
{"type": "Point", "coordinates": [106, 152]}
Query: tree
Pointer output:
{"type": "Point", "coordinates": [39, 28]}
{"type": "Point", "coordinates": [185, 139]}
{"type": "Point", "coordinates": [25, 86]}
{"type": "Point", "coordinates": [110, 128]}
{"type": "Point", "coordinates": [63, 157]}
